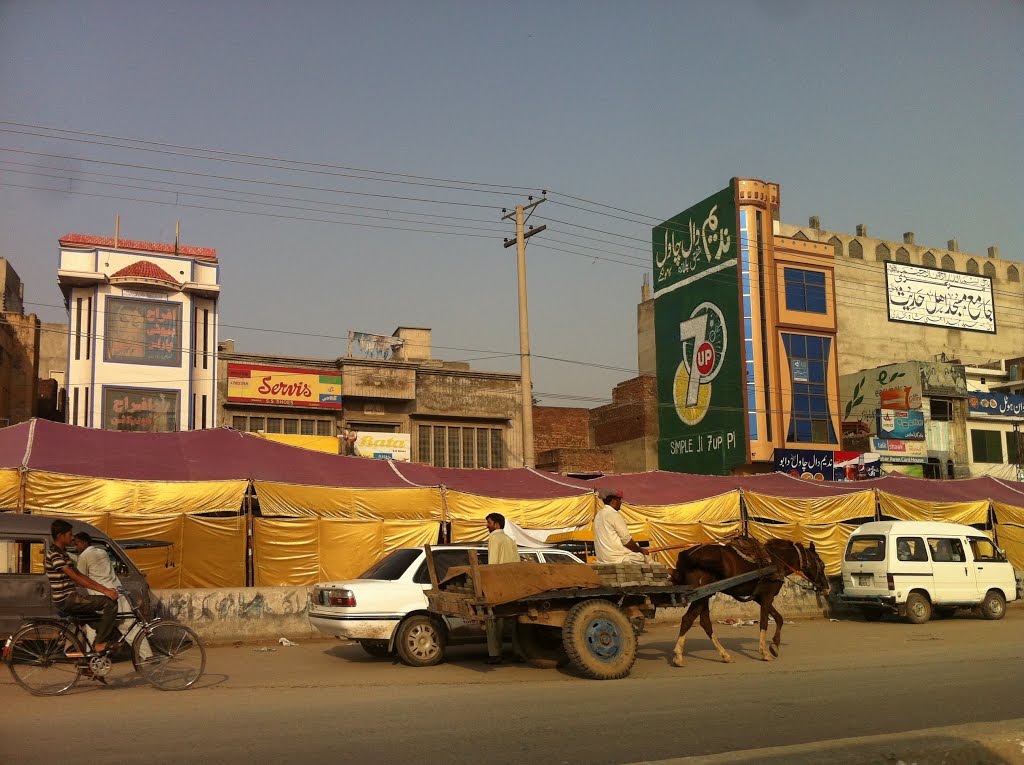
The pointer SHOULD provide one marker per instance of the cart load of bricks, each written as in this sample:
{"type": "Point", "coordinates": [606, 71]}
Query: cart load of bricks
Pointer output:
{"type": "Point", "coordinates": [633, 574]}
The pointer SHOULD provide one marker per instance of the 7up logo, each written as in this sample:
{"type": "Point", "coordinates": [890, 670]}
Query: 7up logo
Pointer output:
{"type": "Point", "coordinates": [704, 339]}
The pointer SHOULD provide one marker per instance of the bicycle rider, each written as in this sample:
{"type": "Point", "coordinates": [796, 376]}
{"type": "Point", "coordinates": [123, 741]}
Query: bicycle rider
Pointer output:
{"type": "Point", "coordinates": [63, 576]}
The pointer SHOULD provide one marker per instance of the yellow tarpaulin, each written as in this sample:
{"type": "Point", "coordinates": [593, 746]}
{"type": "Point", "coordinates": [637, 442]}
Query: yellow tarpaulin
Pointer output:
{"type": "Point", "coordinates": [1011, 539]}
{"type": "Point", "coordinates": [55, 492]}
{"type": "Point", "coordinates": [829, 539]}
{"type": "Point", "coordinates": [817, 510]}
{"type": "Point", "coordinates": [298, 500]}
{"type": "Point", "coordinates": [303, 551]}
{"type": "Point", "coordinates": [689, 534]}
{"type": "Point", "coordinates": [905, 509]}
{"type": "Point", "coordinates": [204, 552]}
{"type": "Point", "coordinates": [10, 487]}
{"type": "Point", "coordinates": [327, 444]}
{"type": "Point", "coordinates": [559, 513]}
{"type": "Point", "coordinates": [1009, 514]}
{"type": "Point", "coordinates": [721, 509]}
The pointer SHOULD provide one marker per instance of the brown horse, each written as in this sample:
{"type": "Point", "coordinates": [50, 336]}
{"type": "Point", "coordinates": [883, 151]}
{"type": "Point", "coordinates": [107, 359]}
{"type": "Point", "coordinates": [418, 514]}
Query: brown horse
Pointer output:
{"type": "Point", "coordinates": [709, 563]}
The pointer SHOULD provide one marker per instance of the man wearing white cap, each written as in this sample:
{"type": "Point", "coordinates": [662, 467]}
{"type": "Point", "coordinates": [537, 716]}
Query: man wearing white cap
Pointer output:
{"type": "Point", "coordinates": [612, 541]}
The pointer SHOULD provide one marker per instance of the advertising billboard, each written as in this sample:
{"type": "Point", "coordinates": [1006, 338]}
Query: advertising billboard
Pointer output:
{"type": "Point", "coordinates": [921, 295]}
{"type": "Point", "coordinates": [141, 410]}
{"type": "Point", "coordinates": [698, 345]}
{"type": "Point", "coordinates": [1008, 405]}
{"type": "Point", "coordinates": [142, 332]}
{"type": "Point", "coordinates": [283, 386]}
{"type": "Point", "coordinates": [383, 446]}
{"type": "Point", "coordinates": [827, 465]}
{"type": "Point", "coordinates": [906, 425]}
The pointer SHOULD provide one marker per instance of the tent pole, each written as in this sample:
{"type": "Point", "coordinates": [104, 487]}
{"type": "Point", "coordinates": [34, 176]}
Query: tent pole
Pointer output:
{"type": "Point", "coordinates": [250, 577]}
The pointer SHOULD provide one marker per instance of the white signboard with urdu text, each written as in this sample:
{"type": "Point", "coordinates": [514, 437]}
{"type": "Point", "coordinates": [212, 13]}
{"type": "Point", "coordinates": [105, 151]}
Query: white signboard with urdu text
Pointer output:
{"type": "Point", "coordinates": [920, 295]}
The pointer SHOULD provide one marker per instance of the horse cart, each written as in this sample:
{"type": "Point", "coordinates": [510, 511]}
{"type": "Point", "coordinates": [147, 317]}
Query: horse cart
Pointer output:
{"type": "Point", "coordinates": [577, 620]}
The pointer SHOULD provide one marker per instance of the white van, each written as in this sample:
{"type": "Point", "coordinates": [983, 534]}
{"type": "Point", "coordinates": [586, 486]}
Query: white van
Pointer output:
{"type": "Point", "coordinates": [917, 568]}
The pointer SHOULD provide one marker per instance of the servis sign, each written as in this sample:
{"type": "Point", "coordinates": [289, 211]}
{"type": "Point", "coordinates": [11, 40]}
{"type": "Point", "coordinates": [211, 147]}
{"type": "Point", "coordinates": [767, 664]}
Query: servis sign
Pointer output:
{"type": "Point", "coordinates": [283, 386]}
{"type": "Point", "coordinates": [697, 336]}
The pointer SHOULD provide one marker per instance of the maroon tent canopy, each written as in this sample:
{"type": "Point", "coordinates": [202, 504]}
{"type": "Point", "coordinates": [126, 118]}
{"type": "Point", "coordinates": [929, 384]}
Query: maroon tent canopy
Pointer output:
{"type": "Point", "coordinates": [520, 483]}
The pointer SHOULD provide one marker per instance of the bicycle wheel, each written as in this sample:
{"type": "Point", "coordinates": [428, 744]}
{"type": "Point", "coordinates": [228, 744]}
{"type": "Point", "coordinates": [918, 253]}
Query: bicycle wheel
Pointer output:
{"type": "Point", "coordinates": [39, 662]}
{"type": "Point", "coordinates": [169, 655]}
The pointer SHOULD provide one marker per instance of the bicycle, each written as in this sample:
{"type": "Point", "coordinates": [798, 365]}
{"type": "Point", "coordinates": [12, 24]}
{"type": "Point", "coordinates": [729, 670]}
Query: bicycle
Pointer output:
{"type": "Point", "coordinates": [49, 656]}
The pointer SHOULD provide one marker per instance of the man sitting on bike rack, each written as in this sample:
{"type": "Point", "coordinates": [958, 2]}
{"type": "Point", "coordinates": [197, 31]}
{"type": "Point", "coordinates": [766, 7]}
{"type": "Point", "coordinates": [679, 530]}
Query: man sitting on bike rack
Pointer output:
{"type": "Point", "coordinates": [63, 576]}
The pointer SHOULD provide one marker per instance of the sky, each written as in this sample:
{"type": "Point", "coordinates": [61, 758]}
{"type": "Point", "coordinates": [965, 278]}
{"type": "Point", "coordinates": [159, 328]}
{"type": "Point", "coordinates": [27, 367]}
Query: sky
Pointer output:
{"type": "Point", "coordinates": [418, 122]}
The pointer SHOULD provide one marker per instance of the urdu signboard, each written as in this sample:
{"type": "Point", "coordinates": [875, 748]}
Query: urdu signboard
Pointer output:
{"type": "Point", "coordinates": [931, 296]}
{"type": "Point", "coordinates": [283, 386]}
{"type": "Point", "coordinates": [699, 348]}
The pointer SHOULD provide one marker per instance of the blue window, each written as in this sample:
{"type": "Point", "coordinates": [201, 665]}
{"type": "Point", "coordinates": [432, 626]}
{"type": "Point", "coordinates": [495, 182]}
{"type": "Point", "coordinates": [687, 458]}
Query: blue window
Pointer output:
{"type": "Point", "coordinates": [810, 418]}
{"type": "Point", "coordinates": [748, 326]}
{"type": "Point", "coordinates": [805, 290]}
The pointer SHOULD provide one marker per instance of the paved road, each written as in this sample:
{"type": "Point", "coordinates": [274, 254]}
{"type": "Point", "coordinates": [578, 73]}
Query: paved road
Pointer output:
{"type": "Point", "coordinates": [326, 700]}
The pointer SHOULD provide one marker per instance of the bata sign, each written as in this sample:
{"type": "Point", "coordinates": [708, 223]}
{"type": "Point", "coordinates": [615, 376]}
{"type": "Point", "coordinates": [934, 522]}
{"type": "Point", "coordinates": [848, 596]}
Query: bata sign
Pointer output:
{"type": "Point", "coordinates": [384, 446]}
{"type": "Point", "coordinates": [283, 386]}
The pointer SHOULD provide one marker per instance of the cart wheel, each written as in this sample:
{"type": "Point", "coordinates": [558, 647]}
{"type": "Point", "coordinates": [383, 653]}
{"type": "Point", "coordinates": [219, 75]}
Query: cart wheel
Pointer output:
{"type": "Point", "coordinates": [599, 640]}
{"type": "Point", "coordinates": [540, 645]}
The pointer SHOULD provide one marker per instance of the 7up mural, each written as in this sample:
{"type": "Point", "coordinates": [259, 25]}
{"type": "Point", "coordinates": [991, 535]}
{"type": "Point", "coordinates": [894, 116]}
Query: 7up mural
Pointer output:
{"type": "Point", "coordinates": [702, 411]}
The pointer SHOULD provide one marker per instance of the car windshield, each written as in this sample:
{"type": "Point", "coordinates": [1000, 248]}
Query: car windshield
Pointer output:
{"type": "Point", "coordinates": [393, 566]}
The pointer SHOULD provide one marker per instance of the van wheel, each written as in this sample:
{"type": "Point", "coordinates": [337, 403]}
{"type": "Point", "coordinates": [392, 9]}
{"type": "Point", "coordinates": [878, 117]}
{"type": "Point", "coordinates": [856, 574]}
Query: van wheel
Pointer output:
{"type": "Point", "coordinates": [919, 609]}
{"type": "Point", "coordinates": [994, 605]}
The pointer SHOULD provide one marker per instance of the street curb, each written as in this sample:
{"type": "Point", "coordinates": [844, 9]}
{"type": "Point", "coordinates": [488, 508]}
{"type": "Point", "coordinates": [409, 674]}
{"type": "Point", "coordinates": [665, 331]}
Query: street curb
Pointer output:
{"type": "Point", "coordinates": [988, 743]}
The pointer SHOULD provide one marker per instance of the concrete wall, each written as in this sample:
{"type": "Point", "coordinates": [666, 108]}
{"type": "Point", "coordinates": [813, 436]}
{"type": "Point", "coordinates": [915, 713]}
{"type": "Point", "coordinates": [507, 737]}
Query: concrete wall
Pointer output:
{"type": "Point", "coordinates": [269, 613]}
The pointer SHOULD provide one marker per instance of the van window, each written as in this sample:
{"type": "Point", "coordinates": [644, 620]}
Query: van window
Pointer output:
{"type": "Point", "coordinates": [911, 549]}
{"type": "Point", "coordinates": [19, 556]}
{"type": "Point", "coordinates": [866, 547]}
{"type": "Point", "coordinates": [945, 550]}
{"type": "Point", "coordinates": [983, 549]}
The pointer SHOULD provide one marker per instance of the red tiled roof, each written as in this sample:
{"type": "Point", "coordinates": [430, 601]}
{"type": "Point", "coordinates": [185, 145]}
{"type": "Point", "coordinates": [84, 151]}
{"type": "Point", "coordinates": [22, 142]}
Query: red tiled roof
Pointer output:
{"type": "Point", "coordinates": [87, 240]}
{"type": "Point", "coordinates": [143, 269]}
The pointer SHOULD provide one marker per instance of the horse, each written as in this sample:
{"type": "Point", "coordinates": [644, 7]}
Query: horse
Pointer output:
{"type": "Point", "coordinates": [709, 563]}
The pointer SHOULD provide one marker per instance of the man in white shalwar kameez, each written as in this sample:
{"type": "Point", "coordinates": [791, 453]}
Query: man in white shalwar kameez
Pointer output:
{"type": "Point", "coordinates": [612, 540]}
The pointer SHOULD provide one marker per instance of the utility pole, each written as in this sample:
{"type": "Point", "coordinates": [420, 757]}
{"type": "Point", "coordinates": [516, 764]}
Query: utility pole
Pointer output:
{"type": "Point", "coordinates": [524, 320]}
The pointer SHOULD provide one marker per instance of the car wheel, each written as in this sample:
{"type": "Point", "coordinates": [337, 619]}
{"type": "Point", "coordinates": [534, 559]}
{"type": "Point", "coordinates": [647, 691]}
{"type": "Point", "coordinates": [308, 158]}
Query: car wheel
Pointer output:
{"type": "Point", "coordinates": [420, 641]}
{"type": "Point", "coordinates": [872, 614]}
{"type": "Point", "coordinates": [919, 609]}
{"type": "Point", "coordinates": [376, 648]}
{"type": "Point", "coordinates": [994, 605]}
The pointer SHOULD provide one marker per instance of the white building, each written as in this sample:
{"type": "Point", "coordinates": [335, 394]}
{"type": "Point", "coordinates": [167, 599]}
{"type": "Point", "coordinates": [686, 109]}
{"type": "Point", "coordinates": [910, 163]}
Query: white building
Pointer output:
{"type": "Point", "coordinates": [995, 419]}
{"type": "Point", "coordinates": [142, 348]}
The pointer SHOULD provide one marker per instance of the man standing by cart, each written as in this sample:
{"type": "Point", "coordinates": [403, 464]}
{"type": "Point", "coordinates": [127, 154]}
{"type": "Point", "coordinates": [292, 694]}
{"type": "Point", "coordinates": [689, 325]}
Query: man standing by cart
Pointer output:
{"type": "Point", "coordinates": [612, 540]}
{"type": "Point", "coordinates": [500, 549]}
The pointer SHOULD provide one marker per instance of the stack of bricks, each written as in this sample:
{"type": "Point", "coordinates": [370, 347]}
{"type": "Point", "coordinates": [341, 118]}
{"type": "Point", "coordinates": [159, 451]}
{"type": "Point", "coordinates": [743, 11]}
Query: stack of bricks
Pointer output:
{"type": "Point", "coordinates": [633, 574]}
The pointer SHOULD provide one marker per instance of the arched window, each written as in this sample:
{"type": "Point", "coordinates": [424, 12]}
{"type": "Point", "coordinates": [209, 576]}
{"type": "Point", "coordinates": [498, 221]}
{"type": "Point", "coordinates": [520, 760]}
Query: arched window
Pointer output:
{"type": "Point", "coordinates": [837, 246]}
{"type": "Point", "coordinates": [972, 266]}
{"type": "Point", "coordinates": [989, 270]}
{"type": "Point", "coordinates": [882, 253]}
{"type": "Point", "coordinates": [948, 264]}
{"type": "Point", "coordinates": [800, 235]}
{"type": "Point", "coordinates": [902, 256]}
{"type": "Point", "coordinates": [1012, 274]}
{"type": "Point", "coordinates": [856, 251]}
{"type": "Point", "coordinates": [928, 260]}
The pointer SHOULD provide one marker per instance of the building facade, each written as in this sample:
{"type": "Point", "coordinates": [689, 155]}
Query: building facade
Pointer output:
{"type": "Point", "coordinates": [141, 345]}
{"type": "Point", "coordinates": [409, 406]}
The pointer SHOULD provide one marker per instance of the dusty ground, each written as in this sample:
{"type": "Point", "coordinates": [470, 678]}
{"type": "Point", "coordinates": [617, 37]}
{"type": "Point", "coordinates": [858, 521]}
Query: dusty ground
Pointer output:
{"type": "Point", "coordinates": [327, 699]}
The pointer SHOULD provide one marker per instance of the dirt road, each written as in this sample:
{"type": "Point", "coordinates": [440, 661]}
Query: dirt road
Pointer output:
{"type": "Point", "coordinates": [327, 700]}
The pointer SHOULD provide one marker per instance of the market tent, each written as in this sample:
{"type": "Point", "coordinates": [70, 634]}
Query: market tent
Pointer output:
{"type": "Point", "coordinates": [919, 499]}
{"type": "Point", "coordinates": [530, 498]}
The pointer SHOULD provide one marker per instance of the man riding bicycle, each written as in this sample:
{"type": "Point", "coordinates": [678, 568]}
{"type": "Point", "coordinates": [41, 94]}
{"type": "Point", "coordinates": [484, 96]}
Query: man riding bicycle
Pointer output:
{"type": "Point", "coordinates": [63, 576]}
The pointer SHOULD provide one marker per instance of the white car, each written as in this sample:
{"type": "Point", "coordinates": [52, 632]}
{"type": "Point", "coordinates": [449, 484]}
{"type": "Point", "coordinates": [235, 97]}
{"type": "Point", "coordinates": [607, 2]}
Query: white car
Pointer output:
{"type": "Point", "coordinates": [385, 609]}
